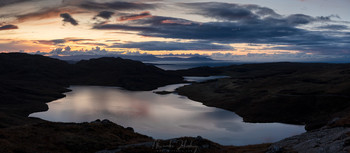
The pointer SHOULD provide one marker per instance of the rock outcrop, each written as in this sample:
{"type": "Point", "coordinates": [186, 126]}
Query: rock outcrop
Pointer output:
{"type": "Point", "coordinates": [324, 140]}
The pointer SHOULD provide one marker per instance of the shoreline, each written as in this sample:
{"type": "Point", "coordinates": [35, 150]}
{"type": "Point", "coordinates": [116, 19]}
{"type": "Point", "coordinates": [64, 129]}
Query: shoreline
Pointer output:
{"type": "Point", "coordinates": [153, 133]}
{"type": "Point", "coordinates": [293, 93]}
{"type": "Point", "coordinates": [29, 92]}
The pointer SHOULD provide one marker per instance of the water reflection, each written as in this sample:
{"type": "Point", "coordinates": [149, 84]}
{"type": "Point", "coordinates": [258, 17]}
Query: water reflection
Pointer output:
{"type": "Point", "coordinates": [177, 65]}
{"type": "Point", "coordinates": [162, 116]}
{"type": "Point", "coordinates": [202, 79]}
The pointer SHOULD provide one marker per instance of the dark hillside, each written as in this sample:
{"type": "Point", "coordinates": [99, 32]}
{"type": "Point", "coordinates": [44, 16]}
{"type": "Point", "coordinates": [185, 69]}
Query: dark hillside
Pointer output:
{"type": "Point", "coordinates": [27, 82]}
{"type": "Point", "coordinates": [297, 93]}
{"type": "Point", "coordinates": [129, 74]}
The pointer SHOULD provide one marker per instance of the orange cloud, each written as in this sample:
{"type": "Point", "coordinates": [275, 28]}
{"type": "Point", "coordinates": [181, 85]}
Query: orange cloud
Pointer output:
{"type": "Point", "coordinates": [70, 40]}
{"type": "Point", "coordinates": [176, 22]}
{"type": "Point", "coordinates": [142, 15]}
{"type": "Point", "coordinates": [13, 45]}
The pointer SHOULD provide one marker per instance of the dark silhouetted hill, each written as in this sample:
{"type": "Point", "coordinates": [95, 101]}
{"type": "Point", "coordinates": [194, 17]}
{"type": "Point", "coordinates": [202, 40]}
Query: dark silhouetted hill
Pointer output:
{"type": "Point", "coordinates": [129, 74]}
{"type": "Point", "coordinates": [27, 82]}
{"type": "Point", "coordinates": [299, 93]}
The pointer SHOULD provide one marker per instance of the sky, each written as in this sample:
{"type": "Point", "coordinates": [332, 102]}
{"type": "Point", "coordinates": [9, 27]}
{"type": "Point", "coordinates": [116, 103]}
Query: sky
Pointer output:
{"type": "Point", "coordinates": [290, 30]}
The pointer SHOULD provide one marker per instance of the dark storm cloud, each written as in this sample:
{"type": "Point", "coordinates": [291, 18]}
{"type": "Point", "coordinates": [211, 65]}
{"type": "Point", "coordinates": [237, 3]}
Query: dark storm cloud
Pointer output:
{"type": "Point", "coordinates": [118, 5]}
{"type": "Point", "coordinates": [264, 31]}
{"type": "Point", "coordinates": [159, 45]}
{"type": "Point", "coordinates": [243, 24]}
{"type": "Point", "coordinates": [104, 14]}
{"type": "Point", "coordinates": [230, 32]}
{"type": "Point", "coordinates": [8, 27]}
{"type": "Point", "coordinates": [237, 24]}
{"type": "Point", "coordinates": [68, 18]}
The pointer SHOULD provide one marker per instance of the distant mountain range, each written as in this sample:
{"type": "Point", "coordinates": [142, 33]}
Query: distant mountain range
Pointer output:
{"type": "Point", "coordinates": [143, 58]}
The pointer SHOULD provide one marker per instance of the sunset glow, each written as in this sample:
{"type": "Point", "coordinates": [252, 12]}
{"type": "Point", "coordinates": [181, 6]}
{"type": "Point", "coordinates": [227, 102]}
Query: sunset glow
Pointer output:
{"type": "Point", "coordinates": [175, 27]}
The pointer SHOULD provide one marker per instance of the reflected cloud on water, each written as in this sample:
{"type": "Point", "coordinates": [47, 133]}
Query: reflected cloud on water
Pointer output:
{"type": "Point", "coordinates": [162, 116]}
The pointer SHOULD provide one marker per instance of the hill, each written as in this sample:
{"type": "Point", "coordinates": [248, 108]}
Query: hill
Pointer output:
{"type": "Point", "coordinates": [27, 81]}
{"type": "Point", "coordinates": [297, 93]}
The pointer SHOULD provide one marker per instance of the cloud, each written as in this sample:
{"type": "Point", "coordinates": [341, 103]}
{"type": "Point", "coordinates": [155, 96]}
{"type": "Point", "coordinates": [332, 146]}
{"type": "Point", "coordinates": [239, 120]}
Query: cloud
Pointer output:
{"type": "Point", "coordinates": [334, 27]}
{"type": "Point", "coordinates": [8, 27]}
{"type": "Point", "coordinates": [159, 45]}
{"type": "Point", "coordinates": [245, 24]}
{"type": "Point", "coordinates": [224, 32]}
{"type": "Point", "coordinates": [11, 2]}
{"type": "Point", "coordinates": [34, 10]}
{"type": "Point", "coordinates": [250, 13]}
{"type": "Point", "coordinates": [230, 11]}
{"type": "Point", "coordinates": [229, 24]}
{"type": "Point", "coordinates": [104, 14]}
{"type": "Point", "coordinates": [77, 39]}
{"type": "Point", "coordinates": [62, 41]}
{"type": "Point", "coordinates": [68, 52]}
{"type": "Point", "coordinates": [131, 17]}
{"type": "Point", "coordinates": [9, 45]}
{"type": "Point", "coordinates": [322, 46]}
{"type": "Point", "coordinates": [68, 18]}
{"type": "Point", "coordinates": [164, 21]}
{"type": "Point", "coordinates": [51, 42]}
{"type": "Point", "coordinates": [117, 5]}
{"type": "Point", "coordinates": [45, 13]}
{"type": "Point", "coordinates": [299, 19]}
{"type": "Point", "coordinates": [282, 57]}
{"type": "Point", "coordinates": [93, 44]}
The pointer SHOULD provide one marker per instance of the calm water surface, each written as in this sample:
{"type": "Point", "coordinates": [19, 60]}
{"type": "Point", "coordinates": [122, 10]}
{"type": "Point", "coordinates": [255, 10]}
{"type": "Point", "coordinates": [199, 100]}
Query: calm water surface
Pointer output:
{"type": "Point", "coordinates": [177, 65]}
{"type": "Point", "coordinates": [162, 116]}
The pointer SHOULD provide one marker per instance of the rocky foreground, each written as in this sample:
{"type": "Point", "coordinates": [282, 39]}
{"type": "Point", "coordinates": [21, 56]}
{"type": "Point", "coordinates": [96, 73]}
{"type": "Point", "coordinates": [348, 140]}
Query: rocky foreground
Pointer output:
{"type": "Point", "coordinates": [66, 137]}
{"type": "Point", "coordinates": [324, 140]}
